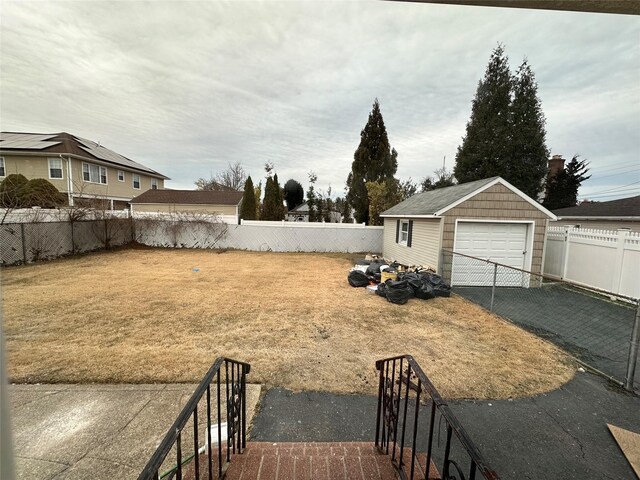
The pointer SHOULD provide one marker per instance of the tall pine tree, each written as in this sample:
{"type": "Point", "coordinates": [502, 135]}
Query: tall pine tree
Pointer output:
{"type": "Point", "coordinates": [506, 132]}
{"type": "Point", "coordinates": [373, 161]}
{"type": "Point", "coordinates": [485, 149]}
{"type": "Point", "coordinates": [248, 209]}
{"type": "Point", "coordinates": [528, 164]}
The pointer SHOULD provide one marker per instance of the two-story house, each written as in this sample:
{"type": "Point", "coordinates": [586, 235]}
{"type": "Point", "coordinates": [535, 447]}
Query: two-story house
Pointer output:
{"type": "Point", "coordinates": [83, 170]}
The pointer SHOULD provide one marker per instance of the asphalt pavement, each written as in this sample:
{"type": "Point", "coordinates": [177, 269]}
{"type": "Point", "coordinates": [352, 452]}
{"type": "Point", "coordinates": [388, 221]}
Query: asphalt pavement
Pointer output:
{"type": "Point", "coordinates": [559, 435]}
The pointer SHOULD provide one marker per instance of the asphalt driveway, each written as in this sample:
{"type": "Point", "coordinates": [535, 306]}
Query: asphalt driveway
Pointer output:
{"type": "Point", "coordinates": [591, 327]}
{"type": "Point", "coordinates": [559, 435]}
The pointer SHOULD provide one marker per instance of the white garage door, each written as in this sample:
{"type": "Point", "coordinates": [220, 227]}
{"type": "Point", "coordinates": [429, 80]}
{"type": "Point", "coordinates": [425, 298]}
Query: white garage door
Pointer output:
{"type": "Point", "coordinates": [504, 243]}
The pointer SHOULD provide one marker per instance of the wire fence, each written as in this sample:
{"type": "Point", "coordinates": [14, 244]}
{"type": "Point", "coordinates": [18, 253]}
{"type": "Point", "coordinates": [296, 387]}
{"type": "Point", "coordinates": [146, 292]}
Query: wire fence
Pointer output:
{"type": "Point", "coordinates": [599, 328]}
{"type": "Point", "coordinates": [31, 242]}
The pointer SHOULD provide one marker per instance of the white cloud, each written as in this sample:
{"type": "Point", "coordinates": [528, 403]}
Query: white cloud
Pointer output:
{"type": "Point", "coordinates": [186, 87]}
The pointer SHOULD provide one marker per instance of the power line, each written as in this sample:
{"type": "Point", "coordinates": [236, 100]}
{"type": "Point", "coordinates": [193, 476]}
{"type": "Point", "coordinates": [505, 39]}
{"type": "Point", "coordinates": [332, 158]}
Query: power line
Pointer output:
{"type": "Point", "coordinates": [616, 174]}
{"type": "Point", "coordinates": [623, 194]}
{"type": "Point", "coordinates": [616, 167]}
{"type": "Point", "coordinates": [615, 189]}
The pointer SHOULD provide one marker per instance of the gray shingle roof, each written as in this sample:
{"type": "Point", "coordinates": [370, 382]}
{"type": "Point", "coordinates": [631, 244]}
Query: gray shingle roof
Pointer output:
{"type": "Point", "coordinates": [623, 207]}
{"type": "Point", "coordinates": [428, 203]}
{"type": "Point", "coordinates": [65, 143]}
{"type": "Point", "coordinates": [190, 197]}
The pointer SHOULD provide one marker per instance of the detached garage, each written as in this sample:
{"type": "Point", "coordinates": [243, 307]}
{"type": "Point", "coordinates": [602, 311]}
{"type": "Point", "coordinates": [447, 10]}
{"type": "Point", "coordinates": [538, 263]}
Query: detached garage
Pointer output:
{"type": "Point", "coordinates": [488, 219]}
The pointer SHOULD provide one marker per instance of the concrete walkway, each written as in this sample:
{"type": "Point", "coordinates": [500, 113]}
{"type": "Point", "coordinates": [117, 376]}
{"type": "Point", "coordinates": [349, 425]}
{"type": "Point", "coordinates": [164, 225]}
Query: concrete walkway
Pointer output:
{"type": "Point", "coordinates": [94, 431]}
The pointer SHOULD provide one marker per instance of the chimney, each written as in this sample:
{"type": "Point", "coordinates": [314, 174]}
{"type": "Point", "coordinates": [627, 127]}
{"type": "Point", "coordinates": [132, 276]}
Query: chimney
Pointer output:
{"type": "Point", "coordinates": [555, 165]}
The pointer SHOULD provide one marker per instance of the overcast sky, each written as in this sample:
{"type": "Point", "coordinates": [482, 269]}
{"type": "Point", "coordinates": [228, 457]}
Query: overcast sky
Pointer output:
{"type": "Point", "coordinates": [187, 87]}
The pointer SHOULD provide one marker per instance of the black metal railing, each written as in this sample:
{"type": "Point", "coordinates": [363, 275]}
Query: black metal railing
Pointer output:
{"type": "Point", "coordinates": [228, 379]}
{"type": "Point", "coordinates": [403, 387]}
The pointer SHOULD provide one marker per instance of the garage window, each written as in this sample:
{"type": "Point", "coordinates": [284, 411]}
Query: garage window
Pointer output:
{"type": "Point", "coordinates": [404, 230]}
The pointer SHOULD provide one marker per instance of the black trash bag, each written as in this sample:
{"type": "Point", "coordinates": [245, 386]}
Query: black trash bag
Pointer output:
{"type": "Point", "coordinates": [425, 292]}
{"type": "Point", "coordinates": [431, 278]}
{"type": "Point", "coordinates": [373, 268]}
{"type": "Point", "coordinates": [358, 279]}
{"type": "Point", "coordinates": [362, 261]}
{"type": "Point", "coordinates": [398, 291]}
{"type": "Point", "coordinates": [442, 290]}
{"type": "Point", "coordinates": [412, 279]}
{"type": "Point", "coordinates": [376, 277]}
{"type": "Point", "coordinates": [399, 296]}
{"type": "Point", "coordinates": [382, 290]}
{"type": "Point", "coordinates": [440, 287]}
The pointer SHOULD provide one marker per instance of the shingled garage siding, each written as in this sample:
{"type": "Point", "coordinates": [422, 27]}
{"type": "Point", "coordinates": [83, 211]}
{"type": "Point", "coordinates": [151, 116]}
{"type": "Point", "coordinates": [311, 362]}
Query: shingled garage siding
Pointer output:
{"type": "Point", "coordinates": [425, 242]}
{"type": "Point", "coordinates": [499, 203]}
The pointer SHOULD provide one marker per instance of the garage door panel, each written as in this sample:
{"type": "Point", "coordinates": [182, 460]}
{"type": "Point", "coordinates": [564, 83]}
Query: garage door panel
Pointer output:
{"type": "Point", "coordinates": [503, 243]}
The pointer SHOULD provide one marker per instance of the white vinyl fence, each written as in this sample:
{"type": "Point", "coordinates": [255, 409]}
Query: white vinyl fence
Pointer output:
{"type": "Point", "coordinates": [261, 236]}
{"type": "Point", "coordinates": [608, 260]}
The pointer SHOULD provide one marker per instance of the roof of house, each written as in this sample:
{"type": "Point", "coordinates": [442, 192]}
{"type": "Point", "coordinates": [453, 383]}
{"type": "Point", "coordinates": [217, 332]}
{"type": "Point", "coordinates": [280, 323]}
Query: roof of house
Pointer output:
{"type": "Point", "coordinates": [190, 197]}
{"type": "Point", "coordinates": [67, 144]}
{"type": "Point", "coordinates": [623, 207]}
{"type": "Point", "coordinates": [436, 202]}
{"type": "Point", "coordinates": [302, 208]}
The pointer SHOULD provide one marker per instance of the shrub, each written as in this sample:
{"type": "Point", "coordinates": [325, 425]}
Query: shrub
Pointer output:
{"type": "Point", "coordinates": [12, 191]}
{"type": "Point", "coordinates": [39, 192]}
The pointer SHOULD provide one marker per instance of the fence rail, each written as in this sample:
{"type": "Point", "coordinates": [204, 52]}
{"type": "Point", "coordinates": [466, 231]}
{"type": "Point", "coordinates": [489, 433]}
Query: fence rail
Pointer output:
{"type": "Point", "coordinates": [191, 459]}
{"type": "Point", "coordinates": [607, 260]}
{"type": "Point", "coordinates": [404, 387]}
{"type": "Point", "coordinates": [31, 242]}
{"type": "Point", "coordinates": [597, 326]}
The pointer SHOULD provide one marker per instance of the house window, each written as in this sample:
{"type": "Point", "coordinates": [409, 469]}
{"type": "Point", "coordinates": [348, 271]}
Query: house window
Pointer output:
{"type": "Point", "coordinates": [94, 173]}
{"type": "Point", "coordinates": [3, 172]}
{"type": "Point", "coordinates": [154, 184]}
{"type": "Point", "coordinates": [120, 176]}
{"type": "Point", "coordinates": [136, 181]}
{"type": "Point", "coordinates": [55, 168]}
{"type": "Point", "coordinates": [404, 232]}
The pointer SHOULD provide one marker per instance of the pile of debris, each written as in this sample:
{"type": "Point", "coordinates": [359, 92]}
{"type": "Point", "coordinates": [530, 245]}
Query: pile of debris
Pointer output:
{"type": "Point", "coordinates": [396, 282]}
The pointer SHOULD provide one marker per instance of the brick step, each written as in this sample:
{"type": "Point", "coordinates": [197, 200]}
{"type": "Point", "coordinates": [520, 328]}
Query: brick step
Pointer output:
{"type": "Point", "coordinates": [318, 461]}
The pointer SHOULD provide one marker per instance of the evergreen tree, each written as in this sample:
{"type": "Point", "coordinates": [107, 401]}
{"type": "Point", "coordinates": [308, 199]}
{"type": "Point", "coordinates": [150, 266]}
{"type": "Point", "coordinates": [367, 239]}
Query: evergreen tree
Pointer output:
{"type": "Point", "coordinates": [258, 193]}
{"type": "Point", "coordinates": [485, 149]}
{"type": "Point", "coordinates": [506, 132]}
{"type": "Point", "coordinates": [293, 194]}
{"type": "Point", "coordinates": [562, 188]}
{"type": "Point", "coordinates": [268, 212]}
{"type": "Point", "coordinates": [312, 198]}
{"type": "Point", "coordinates": [328, 207]}
{"type": "Point", "coordinates": [528, 164]}
{"type": "Point", "coordinates": [345, 211]}
{"type": "Point", "coordinates": [248, 209]}
{"type": "Point", "coordinates": [39, 192]}
{"type": "Point", "coordinates": [278, 196]}
{"type": "Point", "coordinates": [373, 161]}
{"type": "Point", "coordinates": [12, 194]}
{"type": "Point", "coordinates": [272, 206]}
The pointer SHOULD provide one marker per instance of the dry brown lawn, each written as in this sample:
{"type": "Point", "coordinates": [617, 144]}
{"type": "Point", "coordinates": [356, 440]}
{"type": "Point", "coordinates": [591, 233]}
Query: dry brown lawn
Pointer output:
{"type": "Point", "coordinates": [145, 315]}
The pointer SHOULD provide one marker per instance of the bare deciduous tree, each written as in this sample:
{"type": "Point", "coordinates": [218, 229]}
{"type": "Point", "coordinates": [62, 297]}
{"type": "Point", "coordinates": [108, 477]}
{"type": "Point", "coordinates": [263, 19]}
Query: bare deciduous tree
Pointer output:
{"type": "Point", "coordinates": [232, 178]}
